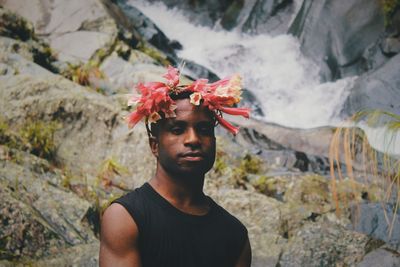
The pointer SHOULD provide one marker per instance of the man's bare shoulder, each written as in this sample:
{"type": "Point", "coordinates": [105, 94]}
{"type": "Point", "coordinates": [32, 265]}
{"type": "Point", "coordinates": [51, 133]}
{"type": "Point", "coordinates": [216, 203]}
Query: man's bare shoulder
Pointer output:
{"type": "Point", "coordinates": [118, 237]}
{"type": "Point", "coordinates": [116, 219]}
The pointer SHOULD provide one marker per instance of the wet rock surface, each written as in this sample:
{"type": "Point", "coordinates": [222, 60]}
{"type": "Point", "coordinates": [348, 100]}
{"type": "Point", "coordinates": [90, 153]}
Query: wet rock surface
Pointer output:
{"type": "Point", "coordinates": [382, 223]}
{"type": "Point", "coordinates": [335, 35]}
{"type": "Point", "coordinates": [379, 89]}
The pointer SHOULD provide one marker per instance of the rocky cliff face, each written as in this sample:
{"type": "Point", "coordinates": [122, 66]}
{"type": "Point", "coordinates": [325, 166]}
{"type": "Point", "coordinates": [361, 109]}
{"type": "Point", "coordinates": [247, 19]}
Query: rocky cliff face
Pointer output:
{"type": "Point", "coordinates": [336, 34]}
{"type": "Point", "coordinates": [65, 151]}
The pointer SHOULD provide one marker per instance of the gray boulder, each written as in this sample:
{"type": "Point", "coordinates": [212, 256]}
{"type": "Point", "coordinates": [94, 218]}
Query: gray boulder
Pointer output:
{"type": "Point", "coordinates": [74, 29]}
{"type": "Point", "coordinates": [379, 89]}
{"type": "Point", "coordinates": [22, 230]}
{"type": "Point", "coordinates": [379, 221]}
{"type": "Point", "coordinates": [93, 129]}
{"type": "Point", "coordinates": [336, 34]}
{"type": "Point", "coordinates": [261, 215]}
{"type": "Point", "coordinates": [304, 149]}
{"type": "Point", "coordinates": [142, 28]}
{"type": "Point", "coordinates": [382, 257]}
{"type": "Point", "coordinates": [17, 36]}
{"type": "Point", "coordinates": [268, 16]}
{"type": "Point", "coordinates": [80, 255]}
{"type": "Point", "coordinates": [324, 244]}
{"type": "Point", "coordinates": [202, 12]}
{"type": "Point", "coordinates": [37, 185]}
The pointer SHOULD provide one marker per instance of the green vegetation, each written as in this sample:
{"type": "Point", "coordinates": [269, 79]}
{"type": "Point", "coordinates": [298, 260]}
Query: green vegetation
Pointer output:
{"type": "Point", "coordinates": [15, 27]}
{"type": "Point", "coordinates": [87, 74]}
{"type": "Point", "coordinates": [44, 56]}
{"type": "Point", "coordinates": [267, 185]}
{"type": "Point", "coordinates": [249, 165]}
{"type": "Point", "coordinates": [3, 130]}
{"type": "Point", "coordinates": [220, 165]}
{"type": "Point", "coordinates": [35, 136]}
{"type": "Point", "coordinates": [389, 9]}
{"type": "Point", "coordinates": [11, 139]}
{"type": "Point", "coordinates": [84, 74]}
{"type": "Point", "coordinates": [153, 53]}
{"type": "Point", "coordinates": [110, 168]}
{"type": "Point", "coordinates": [40, 137]}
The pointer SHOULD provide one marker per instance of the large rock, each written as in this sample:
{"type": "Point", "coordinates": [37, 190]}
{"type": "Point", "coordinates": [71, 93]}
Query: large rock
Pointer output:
{"type": "Point", "coordinates": [255, 16]}
{"type": "Point", "coordinates": [12, 64]}
{"type": "Point", "coordinates": [18, 36]}
{"type": "Point", "coordinates": [202, 12]}
{"type": "Point", "coordinates": [81, 255]}
{"type": "Point", "coordinates": [382, 257]}
{"type": "Point", "coordinates": [142, 28]}
{"type": "Point", "coordinates": [93, 129]}
{"type": "Point", "coordinates": [36, 184]}
{"type": "Point", "coordinates": [324, 244]}
{"type": "Point", "coordinates": [304, 149]}
{"type": "Point", "coordinates": [22, 231]}
{"type": "Point", "coordinates": [268, 16]}
{"type": "Point", "coordinates": [74, 29]}
{"type": "Point", "coordinates": [124, 75]}
{"type": "Point", "coordinates": [261, 215]}
{"type": "Point", "coordinates": [379, 89]}
{"type": "Point", "coordinates": [379, 221]}
{"type": "Point", "coordinates": [336, 34]}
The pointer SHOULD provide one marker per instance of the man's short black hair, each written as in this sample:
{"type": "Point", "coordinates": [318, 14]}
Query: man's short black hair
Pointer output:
{"type": "Point", "coordinates": [152, 128]}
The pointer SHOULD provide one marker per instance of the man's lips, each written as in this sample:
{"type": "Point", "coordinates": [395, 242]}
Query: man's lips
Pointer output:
{"type": "Point", "coordinates": [192, 156]}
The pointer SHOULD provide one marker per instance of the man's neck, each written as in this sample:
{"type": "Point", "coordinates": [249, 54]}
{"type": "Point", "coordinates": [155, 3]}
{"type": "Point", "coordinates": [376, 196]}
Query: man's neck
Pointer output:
{"type": "Point", "coordinates": [183, 192]}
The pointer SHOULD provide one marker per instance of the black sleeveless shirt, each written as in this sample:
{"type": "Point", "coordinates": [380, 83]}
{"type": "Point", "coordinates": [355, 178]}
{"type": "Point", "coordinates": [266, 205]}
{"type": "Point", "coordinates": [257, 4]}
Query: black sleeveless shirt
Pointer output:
{"type": "Point", "coordinates": [169, 237]}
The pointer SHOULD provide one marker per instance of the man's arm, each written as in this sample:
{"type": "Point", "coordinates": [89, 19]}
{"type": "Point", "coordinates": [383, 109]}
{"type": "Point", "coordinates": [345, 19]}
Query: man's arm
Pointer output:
{"type": "Point", "coordinates": [118, 238]}
{"type": "Point", "coordinates": [245, 256]}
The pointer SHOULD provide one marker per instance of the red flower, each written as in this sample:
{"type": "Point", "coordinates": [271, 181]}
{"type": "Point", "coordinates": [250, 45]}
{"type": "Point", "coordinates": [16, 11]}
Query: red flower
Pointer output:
{"type": "Point", "coordinates": [234, 130]}
{"type": "Point", "coordinates": [220, 95]}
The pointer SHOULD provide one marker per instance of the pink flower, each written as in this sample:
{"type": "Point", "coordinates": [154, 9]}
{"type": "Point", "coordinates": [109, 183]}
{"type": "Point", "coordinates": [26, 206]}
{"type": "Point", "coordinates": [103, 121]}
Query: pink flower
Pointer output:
{"type": "Point", "coordinates": [172, 76]}
{"type": "Point", "coordinates": [231, 87]}
{"type": "Point", "coordinates": [199, 85]}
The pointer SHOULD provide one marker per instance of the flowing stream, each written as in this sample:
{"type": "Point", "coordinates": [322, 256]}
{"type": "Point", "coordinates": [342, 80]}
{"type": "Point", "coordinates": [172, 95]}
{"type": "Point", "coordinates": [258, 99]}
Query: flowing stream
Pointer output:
{"type": "Point", "coordinates": [273, 68]}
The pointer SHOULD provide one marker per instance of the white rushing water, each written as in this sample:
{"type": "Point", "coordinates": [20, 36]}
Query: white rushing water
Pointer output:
{"type": "Point", "coordinates": [273, 68]}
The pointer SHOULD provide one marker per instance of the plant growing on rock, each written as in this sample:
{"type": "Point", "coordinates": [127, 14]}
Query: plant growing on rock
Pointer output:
{"type": "Point", "coordinates": [249, 165]}
{"type": "Point", "coordinates": [85, 74]}
{"type": "Point", "coordinates": [359, 156]}
{"type": "Point", "coordinates": [12, 139]}
{"type": "Point", "coordinates": [220, 165]}
{"type": "Point", "coordinates": [389, 9]}
{"type": "Point", "coordinates": [40, 137]}
{"type": "Point", "coordinates": [153, 53]}
{"type": "Point", "coordinates": [13, 26]}
{"type": "Point", "coordinates": [110, 168]}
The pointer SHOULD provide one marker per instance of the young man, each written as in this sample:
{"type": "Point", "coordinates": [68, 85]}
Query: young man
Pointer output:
{"type": "Point", "coordinates": [169, 221]}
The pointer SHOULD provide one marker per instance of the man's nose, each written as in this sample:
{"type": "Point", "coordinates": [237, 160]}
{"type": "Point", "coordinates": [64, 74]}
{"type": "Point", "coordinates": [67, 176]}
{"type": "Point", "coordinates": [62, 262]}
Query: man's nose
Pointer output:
{"type": "Point", "coordinates": [191, 138]}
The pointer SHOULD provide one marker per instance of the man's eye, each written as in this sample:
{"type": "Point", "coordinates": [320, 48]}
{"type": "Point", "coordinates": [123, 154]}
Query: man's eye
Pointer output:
{"type": "Point", "coordinates": [206, 129]}
{"type": "Point", "coordinates": [176, 130]}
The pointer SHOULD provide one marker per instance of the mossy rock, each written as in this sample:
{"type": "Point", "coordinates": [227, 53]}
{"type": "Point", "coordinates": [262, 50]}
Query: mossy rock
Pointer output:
{"type": "Point", "coordinates": [13, 26]}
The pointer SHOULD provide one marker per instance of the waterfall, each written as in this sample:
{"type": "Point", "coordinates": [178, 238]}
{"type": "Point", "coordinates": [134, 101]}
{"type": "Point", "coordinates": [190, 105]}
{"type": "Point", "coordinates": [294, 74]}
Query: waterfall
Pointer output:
{"type": "Point", "coordinates": [273, 68]}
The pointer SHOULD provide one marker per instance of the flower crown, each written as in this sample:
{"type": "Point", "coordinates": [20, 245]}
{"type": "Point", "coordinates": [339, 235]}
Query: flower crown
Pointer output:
{"type": "Point", "coordinates": [218, 97]}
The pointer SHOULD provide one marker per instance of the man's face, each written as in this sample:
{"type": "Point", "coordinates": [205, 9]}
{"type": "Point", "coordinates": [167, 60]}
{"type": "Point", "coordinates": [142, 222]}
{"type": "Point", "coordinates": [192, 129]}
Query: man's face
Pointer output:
{"type": "Point", "coordinates": [185, 145]}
